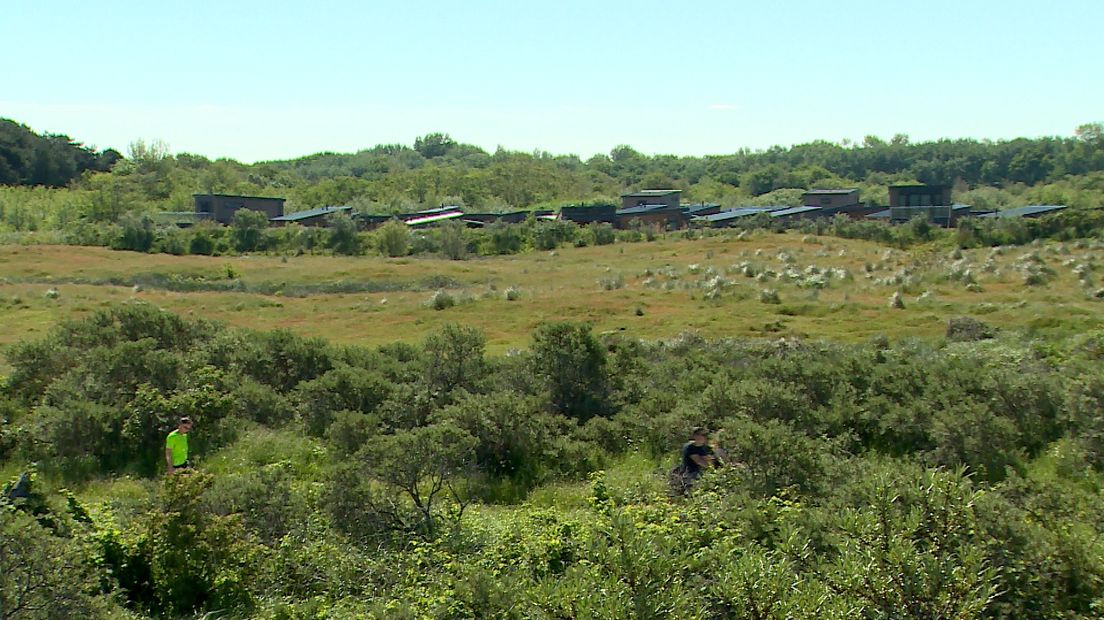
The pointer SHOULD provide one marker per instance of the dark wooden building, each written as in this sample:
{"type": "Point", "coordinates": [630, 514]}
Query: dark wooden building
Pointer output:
{"type": "Point", "coordinates": [513, 217]}
{"type": "Point", "coordinates": [652, 197]}
{"type": "Point", "coordinates": [659, 216]}
{"type": "Point", "coordinates": [942, 215]}
{"type": "Point", "coordinates": [830, 198]}
{"type": "Point", "coordinates": [855, 212]}
{"type": "Point", "coordinates": [919, 196]}
{"type": "Point", "coordinates": [583, 215]}
{"type": "Point", "coordinates": [222, 207]}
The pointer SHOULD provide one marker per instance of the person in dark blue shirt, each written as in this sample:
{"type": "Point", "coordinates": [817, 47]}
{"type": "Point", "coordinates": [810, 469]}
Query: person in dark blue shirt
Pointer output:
{"type": "Point", "coordinates": [697, 456]}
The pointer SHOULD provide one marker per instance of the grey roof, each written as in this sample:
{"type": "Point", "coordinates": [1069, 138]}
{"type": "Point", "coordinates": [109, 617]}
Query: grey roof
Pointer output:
{"type": "Point", "coordinates": [954, 207]}
{"type": "Point", "coordinates": [793, 211]}
{"type": "Point", "coordinates": [440, 209]}
{"type": "Point", "coordinates": [648, 193]}
{"type": "Point", "coordinates": [1028, 211]}
{"type": "Point", "coordinates": [880, 214]}
{"type": "Point", "coordinates": [641, 209]}
{"type": "Point", "coordinates": [309, 213]}
{"type": "Point", "coordinates": [700, 206]}
{"type": "Point", "coordinates": [832, 192]}
{"type": "Point", "coordinates": [240, 196]}
{"type": "Point", "coordinates": [737, 213]}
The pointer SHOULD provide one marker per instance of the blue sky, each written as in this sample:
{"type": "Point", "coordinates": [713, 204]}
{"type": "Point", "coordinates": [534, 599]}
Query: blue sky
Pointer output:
{"type": "Point", "coordinates": [266, 80]}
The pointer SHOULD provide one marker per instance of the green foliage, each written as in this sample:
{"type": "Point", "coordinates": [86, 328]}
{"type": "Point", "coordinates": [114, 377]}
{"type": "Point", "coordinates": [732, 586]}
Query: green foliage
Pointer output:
{"type": "Point", "coordinates": [514, 437]}
{"type": "Point", "coordinates": [412, 483]}
{"type": "Point", "coordinates": [197, 560]}
{"type": "Point", "coordinates": [27, 158]}
{"type": "Point", "coordinates": [393, 239]}
{"type": "Point", "coordinates": [340, 389]}
{"type": "Point", "coordinates": [454, 244]}
{"type": "Point", "coordinates": [46, 575]}
{"type": "Point", "coordinates": [136, 234]}
{"type": "Point", "coordinates": [454, 359]}
{"type": "Point", "coordinates": [247, 230]}
{"type": "Point", "coordinates": [572, 364]}
{"type": "Point", "coordinates": [343, 234]}
{"type": "Point", "coordinates": [202, 241]}
{"type": "Point", "coordinates": [551, 235]}
{"type": "Point", "coordinates": [913, 549]}
{"type": "Point", "coordinates": [281, 359]}
{"type": "Point", "coordinates": [954, 478]}
{"type": "Point", "coordinates": [504, 238]}
{"type": "Point", "coordinates": [601, 233]}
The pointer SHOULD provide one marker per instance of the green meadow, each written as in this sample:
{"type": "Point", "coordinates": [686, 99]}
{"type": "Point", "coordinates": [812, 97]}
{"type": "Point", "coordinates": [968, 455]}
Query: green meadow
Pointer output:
{"type": "Point", "coordinates": [718, 286]}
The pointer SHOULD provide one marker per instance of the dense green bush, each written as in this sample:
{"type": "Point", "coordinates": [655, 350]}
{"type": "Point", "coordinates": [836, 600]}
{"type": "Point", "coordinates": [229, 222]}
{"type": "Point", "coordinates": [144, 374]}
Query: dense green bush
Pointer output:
{"type": "Point", "coordinates": [959, 477]}
{"type": "Point", "coordinates": [393, 239]}
{"type": "Point", "coordinates": [44, 575]}
{"type": "Point", "coordinates": [343, 388]}
{"type": "Point", "coordinates": [572, 364]}
{"type": "Point", "coordinates": [549, 235]}
{"type": "Point", "coordinates": [247, 230]}
{"type": "Point", "coordinates": [454, 359]}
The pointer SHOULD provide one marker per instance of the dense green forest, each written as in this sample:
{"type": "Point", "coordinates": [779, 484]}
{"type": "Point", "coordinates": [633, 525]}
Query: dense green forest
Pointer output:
{"type": "Point", "coordinates": [952, 479]}
{"type": "Point", "coordinates": [438, 169]}
{"type": "Point", "coordinates": [27, 158]}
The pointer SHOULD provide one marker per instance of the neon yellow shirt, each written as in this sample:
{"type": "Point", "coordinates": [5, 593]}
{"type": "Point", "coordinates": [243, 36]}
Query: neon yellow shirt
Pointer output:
{"type": "Point", "coordinates": [178, 443]}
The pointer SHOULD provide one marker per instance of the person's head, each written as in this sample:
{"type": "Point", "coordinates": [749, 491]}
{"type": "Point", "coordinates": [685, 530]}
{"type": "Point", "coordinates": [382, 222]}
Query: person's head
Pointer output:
{"type": "Point", "coordinates": [185, 425]}
{"type": "Point", "coordinates": [699, 435]}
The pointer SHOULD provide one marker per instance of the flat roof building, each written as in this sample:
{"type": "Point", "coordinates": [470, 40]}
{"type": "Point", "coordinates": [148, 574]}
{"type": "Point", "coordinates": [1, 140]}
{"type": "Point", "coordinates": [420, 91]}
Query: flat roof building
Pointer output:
{"type": "Point", "coordinates": [660, 215]}
{"type": "Point", "coordinates": [946, 216]}
{"type": "Point", "coordinates": [665, 197]}
{"type": "Point", "coordinates": [830, 198]}
{"type": "Point", "coordinates": [583, 215]}
{"type": "Point", "coordinates": [919, 196]}
{"type": "Point", "coordinates": [222, 207]}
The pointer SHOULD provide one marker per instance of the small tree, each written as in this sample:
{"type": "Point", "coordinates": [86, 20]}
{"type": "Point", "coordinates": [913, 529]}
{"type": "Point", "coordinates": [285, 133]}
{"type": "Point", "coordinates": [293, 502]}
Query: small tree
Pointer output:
{"type": "Point", "coordinates": [454, 358]}
{"type": "Point", "coordinates": [572, 364]}
{"type": "Point", "coordinates": [602, 233]}
{"type": "Point", "coordinates": [343, 234]}
{"type": "Point", "coordinates": [412, 486]}
{"type": "Point", "coordinates": [505, 238]}
{"type": "Point", "coordinates": [137, 234]}
{"type": "Point", "coordinates": [247, 229]}
{"type": "Point", "coordinates": [551, 235]}
{"type": "Point", "coordinates": [453, 244]}
{"type": "Point", "coordinates": [202, 241]}
{"type": "Point", "coordinates": [393, 239]}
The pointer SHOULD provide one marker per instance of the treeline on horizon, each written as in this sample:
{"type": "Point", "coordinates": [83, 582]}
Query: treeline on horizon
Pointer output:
{"type": "Point", "coordinates": [101, 187]}
{"type": "Point", "coordinates": [51, 160]}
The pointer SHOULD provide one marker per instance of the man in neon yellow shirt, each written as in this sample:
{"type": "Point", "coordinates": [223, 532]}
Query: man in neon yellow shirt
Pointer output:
{"type": "Point", "coordinates": [176, 447]}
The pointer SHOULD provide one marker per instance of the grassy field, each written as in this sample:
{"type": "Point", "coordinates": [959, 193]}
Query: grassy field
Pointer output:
{"type": "Point", "coordinates": [717, 286]}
